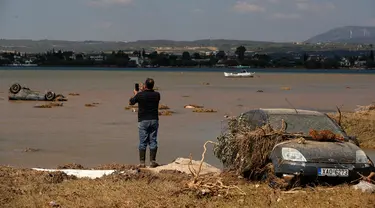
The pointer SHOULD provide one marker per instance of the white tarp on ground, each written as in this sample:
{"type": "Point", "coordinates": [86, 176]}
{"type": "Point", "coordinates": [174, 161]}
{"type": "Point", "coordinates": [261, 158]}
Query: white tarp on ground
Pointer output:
{"type": "Point", "coordinates": [81, 173]}
{"type": "Point", "coordinates": [365, 186]}
{"type": "Point", "coordinates": [181, 164]}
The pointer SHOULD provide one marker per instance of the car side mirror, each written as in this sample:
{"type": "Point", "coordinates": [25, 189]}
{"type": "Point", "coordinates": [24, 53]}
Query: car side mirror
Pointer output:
{"type": "Point", "coordinates": [354, 140]}
{"type": "Point", "coordinates": [352, 137]}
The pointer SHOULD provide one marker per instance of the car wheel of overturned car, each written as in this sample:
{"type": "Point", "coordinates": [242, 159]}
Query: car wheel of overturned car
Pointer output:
{"type": "Point", "coordinates": [50, 96]}
{"type": "Point", "coordinates": [15, 88]}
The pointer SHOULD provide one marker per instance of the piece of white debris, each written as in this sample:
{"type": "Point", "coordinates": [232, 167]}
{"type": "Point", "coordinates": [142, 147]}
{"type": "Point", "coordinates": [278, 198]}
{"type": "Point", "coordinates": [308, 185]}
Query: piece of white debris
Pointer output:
{"type": "Point", "coordinates": [365, 186]}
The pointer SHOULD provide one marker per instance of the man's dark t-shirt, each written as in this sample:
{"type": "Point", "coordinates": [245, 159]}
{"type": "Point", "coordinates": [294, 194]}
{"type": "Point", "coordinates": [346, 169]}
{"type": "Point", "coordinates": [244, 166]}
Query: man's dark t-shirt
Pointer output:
{"type": "Point", "coordinates": [148, 105]}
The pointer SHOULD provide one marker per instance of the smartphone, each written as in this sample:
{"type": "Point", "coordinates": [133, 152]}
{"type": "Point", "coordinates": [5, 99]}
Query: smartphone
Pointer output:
{"type": "Point", "coordinates": [136, 87]}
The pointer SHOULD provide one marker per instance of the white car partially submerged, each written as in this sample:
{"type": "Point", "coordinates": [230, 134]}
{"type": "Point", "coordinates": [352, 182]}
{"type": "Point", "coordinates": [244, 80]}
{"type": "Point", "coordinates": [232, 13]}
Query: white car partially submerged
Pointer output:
{"type": "Point", "coordinates": [17, 92]}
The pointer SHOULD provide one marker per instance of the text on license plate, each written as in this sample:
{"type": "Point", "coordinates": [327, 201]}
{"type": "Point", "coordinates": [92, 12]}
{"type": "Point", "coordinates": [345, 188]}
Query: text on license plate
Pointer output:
{"type": "Point", "coordinates": [333, 172]}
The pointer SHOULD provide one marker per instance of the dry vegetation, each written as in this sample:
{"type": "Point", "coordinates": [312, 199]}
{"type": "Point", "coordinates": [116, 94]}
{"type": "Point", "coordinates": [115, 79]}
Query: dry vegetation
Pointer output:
{"type": "Point", "coordinates": [27, 188]}
{"type": "Point", "coordinates": [360, 124]}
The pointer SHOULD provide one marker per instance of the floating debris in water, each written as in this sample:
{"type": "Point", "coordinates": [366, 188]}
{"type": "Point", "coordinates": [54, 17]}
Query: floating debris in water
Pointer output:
{"type": "Point", "coordinates": [165, 113]}
{"type": "Point", "coordinates": [74, 94]}
{"type": "Point", "coordinates": [49, 105]}
{"type": "Point", "coordinates": [28, 149]}
{"type": "Point", "coordinates": [286, 88]}
{"type": "Point", "coordinates": [91, 105]}
{"type": "Point", "coordinates": [163, 107]}
{"type": "Point", "coordinates": [204, 110]}
{"type": "Point", "coordinates": [193, 106]}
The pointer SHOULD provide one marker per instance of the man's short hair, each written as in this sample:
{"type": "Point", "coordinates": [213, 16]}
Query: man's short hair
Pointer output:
{"type": "Point", "coordinates": [150, 83]}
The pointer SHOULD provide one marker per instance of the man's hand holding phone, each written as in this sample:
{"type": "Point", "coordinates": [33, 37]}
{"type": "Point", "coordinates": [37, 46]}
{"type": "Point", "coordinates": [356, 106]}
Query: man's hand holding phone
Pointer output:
{"type": "Point", "coordinates": [136, 88]}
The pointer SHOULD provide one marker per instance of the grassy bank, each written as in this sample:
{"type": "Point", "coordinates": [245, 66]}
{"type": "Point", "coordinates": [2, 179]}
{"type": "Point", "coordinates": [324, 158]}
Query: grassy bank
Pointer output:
{"type": "Point", "coordinates": [27, 188]}
{"type": "Point", "coordinates": [360, 124]}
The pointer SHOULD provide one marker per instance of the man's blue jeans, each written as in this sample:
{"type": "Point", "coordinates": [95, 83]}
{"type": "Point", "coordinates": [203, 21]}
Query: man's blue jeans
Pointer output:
{"type": "Point", "coordinates": [148, 134]}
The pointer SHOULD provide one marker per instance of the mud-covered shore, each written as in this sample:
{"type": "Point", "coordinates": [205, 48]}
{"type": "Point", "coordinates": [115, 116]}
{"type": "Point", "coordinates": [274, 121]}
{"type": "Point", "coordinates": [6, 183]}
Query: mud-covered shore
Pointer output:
{"type": "Point", "coordinates": [28, 188]}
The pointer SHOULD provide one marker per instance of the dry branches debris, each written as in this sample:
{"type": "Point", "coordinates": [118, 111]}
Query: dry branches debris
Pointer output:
{"type": "Point", "coordinates": [161, 107]}
{"type": "Point", "coordinates": [286, 88]}
{"type": "Point", "coordinates": [165, 113]}
{"type": "Point", "coordinates": [199, 109]}
{"type": "Point", "coordinates": [91, 104]}
{"type": "Point", "coordinates": [204, 110]}
{"type": "Point", "coordinates": [60, 97]}
{"type": "Point", "coordinates": [246, 151]}
{"type": "Point", "coordinates": [192, 106]}
{"type": "Point", "coordinates": [74, 94]}
{"type": "Point", "coordinates": [49, 105]}
{"type": "Point", "coordinates": [71, 166]}
{"type": "Point", "coordinates": [325, 135]}
{"type": "Point", "coordinates": [211, 185]}
{"type": "Point", "coordinates": [28, 149]}
{"type": "Point", "coordinates": [130, 107]}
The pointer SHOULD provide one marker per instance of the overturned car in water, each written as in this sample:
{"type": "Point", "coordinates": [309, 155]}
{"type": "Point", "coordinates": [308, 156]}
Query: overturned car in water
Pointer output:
{"type": "Point", "coordinates": [17, 92]}
{"type": "Point", "coordinates": [296, 146]}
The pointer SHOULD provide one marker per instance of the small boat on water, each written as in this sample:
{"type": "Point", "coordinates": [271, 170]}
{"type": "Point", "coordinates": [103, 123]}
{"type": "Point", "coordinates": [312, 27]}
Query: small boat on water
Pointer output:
{"type": "Point", "coordinates": [244, 73]}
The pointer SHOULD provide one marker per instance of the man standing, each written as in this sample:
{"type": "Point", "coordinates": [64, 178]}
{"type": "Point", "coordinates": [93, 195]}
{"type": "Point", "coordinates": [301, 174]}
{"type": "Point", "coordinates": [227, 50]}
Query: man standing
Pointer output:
{"type": "Point", "coordinates": [148, 121]}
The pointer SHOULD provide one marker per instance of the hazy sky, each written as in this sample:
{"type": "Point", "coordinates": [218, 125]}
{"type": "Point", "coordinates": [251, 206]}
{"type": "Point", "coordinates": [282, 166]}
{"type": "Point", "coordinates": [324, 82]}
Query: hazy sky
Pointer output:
{"type": "Point", "coordinates": [128, 20]}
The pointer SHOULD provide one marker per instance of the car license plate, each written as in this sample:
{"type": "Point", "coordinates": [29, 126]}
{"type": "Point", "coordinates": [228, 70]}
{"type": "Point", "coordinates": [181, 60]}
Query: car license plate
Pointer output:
{"type": "Point", "coordinates": [333, 172]}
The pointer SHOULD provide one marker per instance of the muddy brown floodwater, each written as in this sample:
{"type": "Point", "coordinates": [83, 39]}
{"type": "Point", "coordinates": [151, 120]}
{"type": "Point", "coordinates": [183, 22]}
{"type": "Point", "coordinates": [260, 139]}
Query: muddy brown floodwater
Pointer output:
{"type": "Point", "coordinates": [108, 133]}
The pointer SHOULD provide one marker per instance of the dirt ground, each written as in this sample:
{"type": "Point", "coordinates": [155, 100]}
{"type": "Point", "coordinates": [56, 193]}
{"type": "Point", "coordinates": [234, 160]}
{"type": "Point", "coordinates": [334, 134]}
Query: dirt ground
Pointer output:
{"type": "Point", "coordinates": [27, 188]}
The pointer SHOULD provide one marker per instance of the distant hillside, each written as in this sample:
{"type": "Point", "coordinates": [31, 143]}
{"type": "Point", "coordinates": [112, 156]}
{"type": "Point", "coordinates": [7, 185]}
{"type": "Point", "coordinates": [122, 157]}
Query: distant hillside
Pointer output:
{"type": "Point", "coordinates": [169, 46]}
{"type": "Point", "coordinates": [32, 46]}
{"type": "Point", "coordinates": [349, 34]}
